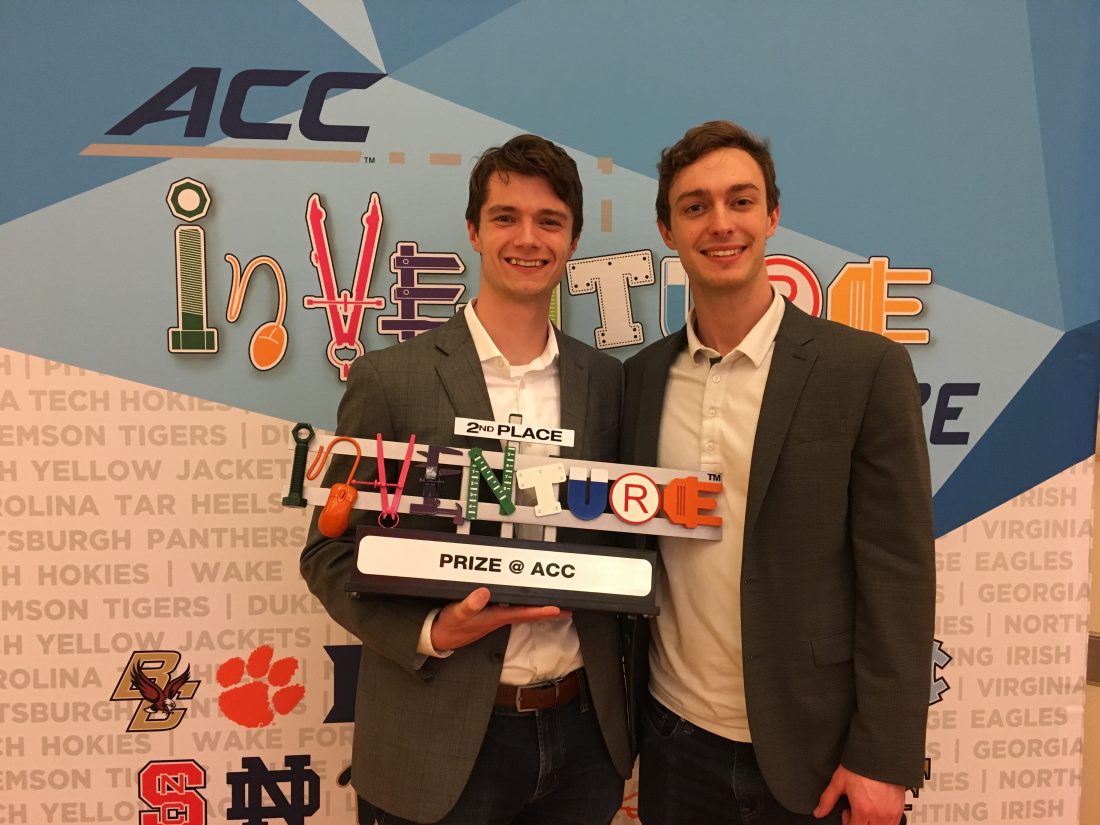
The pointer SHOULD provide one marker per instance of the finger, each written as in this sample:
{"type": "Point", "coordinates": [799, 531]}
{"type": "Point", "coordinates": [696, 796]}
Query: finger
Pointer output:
{"type": "Point", "coordinates": [561, 614]}
{"type": "Point", "coordinates": [473, 604]}
{"type": "Point", "coordinates": [828, 799]}
{"type": "Point", "coordinates": [520, 615]}
{"type": "Point", "coordinates": [846, 818]}
{"type": "Point", "coordinates": [460, 623]}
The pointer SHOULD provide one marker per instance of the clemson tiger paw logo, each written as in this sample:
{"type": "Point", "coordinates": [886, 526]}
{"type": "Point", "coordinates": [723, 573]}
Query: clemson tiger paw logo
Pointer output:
{"type": "Point", "coordinates": [252, 704]}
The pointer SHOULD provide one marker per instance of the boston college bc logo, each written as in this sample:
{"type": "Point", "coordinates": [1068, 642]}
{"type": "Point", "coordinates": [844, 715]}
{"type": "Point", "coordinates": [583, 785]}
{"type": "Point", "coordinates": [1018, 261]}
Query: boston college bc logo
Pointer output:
{"type": "Point", "coordinates": [150, 679]}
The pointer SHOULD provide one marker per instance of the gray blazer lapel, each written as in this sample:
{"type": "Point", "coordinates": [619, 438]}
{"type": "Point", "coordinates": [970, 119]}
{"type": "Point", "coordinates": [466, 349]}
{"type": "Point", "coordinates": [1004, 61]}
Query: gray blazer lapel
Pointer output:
{"type": "Point", "coordinates": [573, 380]}
{"type": "Point", "coordinates": [654, 380]}
{"type": "Point", "coordinates": [459, 371]}
{"type": "Point", "coordinates": [792, 361]}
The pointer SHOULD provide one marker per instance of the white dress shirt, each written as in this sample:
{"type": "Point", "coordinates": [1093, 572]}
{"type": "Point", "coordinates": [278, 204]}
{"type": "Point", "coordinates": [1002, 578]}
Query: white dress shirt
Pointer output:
{"type": "Point", "coordinates": [547, 649]}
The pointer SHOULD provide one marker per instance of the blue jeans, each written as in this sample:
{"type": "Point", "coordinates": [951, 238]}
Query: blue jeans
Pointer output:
{"type": "Point", "coordinates": [690, 776]}
{"type": "Point", "coordinates": [545, 767]}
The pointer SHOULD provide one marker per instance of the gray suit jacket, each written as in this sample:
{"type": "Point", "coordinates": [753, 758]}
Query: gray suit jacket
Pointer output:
{"type": "Point", "coordinates": [838, 570]}
{"type": "Point", "coordinates": [418, 731]}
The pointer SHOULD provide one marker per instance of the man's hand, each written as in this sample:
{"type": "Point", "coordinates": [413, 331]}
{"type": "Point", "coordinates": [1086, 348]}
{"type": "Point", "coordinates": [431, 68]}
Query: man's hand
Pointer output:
{"type": "Point", "coordinates": [462, 623]}
{"type": "Point", "coordinates": [873, 802]}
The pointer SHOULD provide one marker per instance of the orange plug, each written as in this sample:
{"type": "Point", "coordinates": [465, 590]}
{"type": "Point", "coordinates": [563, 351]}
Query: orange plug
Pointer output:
{"type": "Point", "coordinates": [682, 502]}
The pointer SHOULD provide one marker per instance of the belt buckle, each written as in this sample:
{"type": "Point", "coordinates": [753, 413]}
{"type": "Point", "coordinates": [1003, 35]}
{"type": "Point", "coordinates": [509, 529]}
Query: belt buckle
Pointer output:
{"type": "Point", "coordinates": [519, 694]}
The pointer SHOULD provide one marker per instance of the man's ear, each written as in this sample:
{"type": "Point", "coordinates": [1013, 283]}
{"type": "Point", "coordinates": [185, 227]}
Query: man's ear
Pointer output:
{"type": "Point", "coordinates": [666, 234]}
{"type": "Point", "coordinates": [773, 221]}
{"type": "Point", "coordinates": [474, 241]}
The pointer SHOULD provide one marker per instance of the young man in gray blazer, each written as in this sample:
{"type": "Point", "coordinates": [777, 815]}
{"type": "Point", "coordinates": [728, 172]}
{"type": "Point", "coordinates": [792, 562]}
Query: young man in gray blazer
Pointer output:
{"type": "Point", "coordinates": [444, 726]}
{"type": "Point", "coordinates": [790, 663]}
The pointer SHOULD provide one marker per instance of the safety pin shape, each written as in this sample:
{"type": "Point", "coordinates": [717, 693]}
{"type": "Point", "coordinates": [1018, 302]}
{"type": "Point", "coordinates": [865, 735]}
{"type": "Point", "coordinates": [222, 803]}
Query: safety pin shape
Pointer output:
{"type": "Point", "coordinates": [335, 515]}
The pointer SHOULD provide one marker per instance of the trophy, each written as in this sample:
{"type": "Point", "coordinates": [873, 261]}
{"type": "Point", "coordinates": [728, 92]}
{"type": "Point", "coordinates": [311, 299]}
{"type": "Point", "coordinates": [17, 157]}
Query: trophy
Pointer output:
{"type": "Point", "coordinates": [531, 496]}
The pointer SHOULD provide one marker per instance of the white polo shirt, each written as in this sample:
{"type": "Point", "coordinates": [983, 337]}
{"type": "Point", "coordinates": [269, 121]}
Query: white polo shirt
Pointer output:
{"type": "Point", "coordinates": [708, 424]}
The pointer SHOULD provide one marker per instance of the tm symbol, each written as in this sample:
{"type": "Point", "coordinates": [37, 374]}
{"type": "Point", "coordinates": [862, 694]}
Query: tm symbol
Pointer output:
{"type": "Point", "coordinates": [368, 160]}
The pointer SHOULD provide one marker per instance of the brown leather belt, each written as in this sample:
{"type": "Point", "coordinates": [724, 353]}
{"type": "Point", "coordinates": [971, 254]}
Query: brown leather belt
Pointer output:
{"type": "Point", "coordinates": [541, 696]}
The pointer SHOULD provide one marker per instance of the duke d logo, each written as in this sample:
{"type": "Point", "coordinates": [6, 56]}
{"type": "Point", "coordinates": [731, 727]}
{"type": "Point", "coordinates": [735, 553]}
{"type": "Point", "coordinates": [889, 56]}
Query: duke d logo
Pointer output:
{"type": "Point", "coordinates": [150, 679]}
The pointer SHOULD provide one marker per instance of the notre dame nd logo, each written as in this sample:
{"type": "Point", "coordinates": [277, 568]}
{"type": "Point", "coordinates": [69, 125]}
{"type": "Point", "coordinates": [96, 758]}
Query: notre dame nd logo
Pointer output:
{"type": "Point", "coordinates": [257, 785]}
{"type": "Point", "coordinates": [150, 679]}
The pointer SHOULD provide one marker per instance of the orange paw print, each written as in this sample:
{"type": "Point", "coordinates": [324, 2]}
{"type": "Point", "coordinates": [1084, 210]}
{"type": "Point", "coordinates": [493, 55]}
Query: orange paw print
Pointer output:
{"type": "Point", "coordinates": [250, 705]}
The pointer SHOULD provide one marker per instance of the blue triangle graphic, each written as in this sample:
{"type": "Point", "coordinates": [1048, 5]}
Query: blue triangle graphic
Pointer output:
{"type": "Point", "coordinates": [1048, 426]}
{"type": "Point", "coordinates": [407, 31]}
{"type": "Point", "coordinates": [1067, 62]}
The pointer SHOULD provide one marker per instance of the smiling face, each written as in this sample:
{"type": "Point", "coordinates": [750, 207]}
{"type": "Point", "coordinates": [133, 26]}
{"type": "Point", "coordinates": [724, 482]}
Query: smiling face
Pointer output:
{"type": "Point", "coordinates": [719, 222]}
{"type": "Point", "coordinates": [525, 238]}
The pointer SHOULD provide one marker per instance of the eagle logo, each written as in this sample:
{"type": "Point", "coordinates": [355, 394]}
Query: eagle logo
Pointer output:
{"type": "Point", "coordinates": [148, 679]}
{"type": "Point", "coordinates": [161, 701]}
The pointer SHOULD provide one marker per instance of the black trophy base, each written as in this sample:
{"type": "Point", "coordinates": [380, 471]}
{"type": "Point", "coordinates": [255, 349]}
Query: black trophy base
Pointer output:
{"type": "Point", "coordinates": [447, 566]}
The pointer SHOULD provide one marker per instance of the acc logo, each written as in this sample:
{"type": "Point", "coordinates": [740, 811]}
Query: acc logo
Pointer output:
{"type": "Point", "coordinates": [940, 659]}
{"type": "Point", "coordinates": [170, 790]}
{"type": "Point", "coordinates": [148, 678]}
{"type": "Point", "coordinates": [201, 83]}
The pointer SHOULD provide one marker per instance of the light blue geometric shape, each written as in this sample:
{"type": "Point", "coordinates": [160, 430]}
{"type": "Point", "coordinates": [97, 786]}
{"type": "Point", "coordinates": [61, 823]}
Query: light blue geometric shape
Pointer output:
{"type": "Point", "coordinates": [972, 342]}
{"type": "Point", "coordinates": [349, 19]}
{"type": "Point", "coordinates": [405, 31]}
{"type": "Point", "coordinates": [74, 70]}
{"type": "Point", "coordinates": [1066, 53]}
{"type": "Point", "coordinates": [895, 126]}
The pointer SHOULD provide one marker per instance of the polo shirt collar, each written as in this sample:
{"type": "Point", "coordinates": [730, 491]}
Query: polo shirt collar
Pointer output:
{"type": "Point", "coordinates": [754, 346]}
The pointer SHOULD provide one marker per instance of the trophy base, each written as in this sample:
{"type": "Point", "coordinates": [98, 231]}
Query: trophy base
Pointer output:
{"type": "Point", "coordinates": [448, 566]}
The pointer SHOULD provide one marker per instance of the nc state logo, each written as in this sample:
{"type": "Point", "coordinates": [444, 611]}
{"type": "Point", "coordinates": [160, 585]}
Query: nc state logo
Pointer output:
{"type": "Point", "coordinates": [170, 789]}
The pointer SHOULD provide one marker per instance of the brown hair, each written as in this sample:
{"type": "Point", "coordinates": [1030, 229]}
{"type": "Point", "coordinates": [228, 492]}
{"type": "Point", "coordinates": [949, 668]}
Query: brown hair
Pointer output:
{"type": "Point", "coordinates": [533, 156]}
{"type": "Point", "coordinates": [703, 139]}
